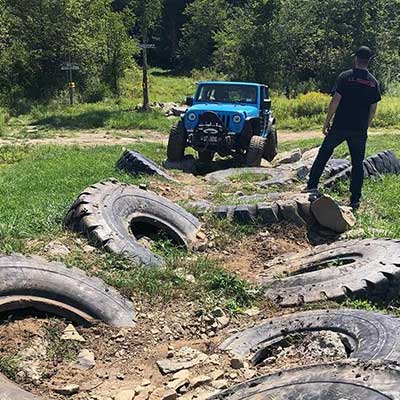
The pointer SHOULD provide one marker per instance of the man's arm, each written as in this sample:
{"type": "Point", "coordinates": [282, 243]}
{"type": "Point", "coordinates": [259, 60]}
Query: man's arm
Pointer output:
{"type": "Point", "coordinates": [372, 112]}
{"type": "Point", "coordinates": [334, 104]}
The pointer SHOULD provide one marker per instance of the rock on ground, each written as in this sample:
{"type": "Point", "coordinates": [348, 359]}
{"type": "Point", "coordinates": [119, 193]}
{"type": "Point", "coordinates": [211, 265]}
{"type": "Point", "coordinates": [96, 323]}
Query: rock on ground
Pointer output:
{"type": "Point", "coordinates": [287, 157]}
{"type": "Point", "coordinates": [331, 215]}
{"type": "Point", "coordinates": [184, 358]}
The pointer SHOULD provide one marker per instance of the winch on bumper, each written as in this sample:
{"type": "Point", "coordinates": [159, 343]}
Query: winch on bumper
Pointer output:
{"type": "Point", "coordinates": [212, 135]}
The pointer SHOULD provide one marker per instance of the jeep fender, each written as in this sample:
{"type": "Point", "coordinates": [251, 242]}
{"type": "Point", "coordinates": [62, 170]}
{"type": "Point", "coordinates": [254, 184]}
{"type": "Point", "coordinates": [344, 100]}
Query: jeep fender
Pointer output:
{"type": "Point", "coordinates": [271, 121]}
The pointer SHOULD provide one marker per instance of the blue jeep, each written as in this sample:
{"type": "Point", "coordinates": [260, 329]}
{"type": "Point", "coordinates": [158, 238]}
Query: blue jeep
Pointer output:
{"type": "Point", "coordinates": [228, 118]}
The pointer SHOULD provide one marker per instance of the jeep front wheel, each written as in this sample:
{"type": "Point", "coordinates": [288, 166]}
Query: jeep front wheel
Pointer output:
{"type": "Point", "coordinates": [255, 151]}
{"type": "Point", "coordinates": [176, 142]}
{"type": "Point", "coordinates": [206, 156]}
{"type": "Point", "coordinates": [271, 145]}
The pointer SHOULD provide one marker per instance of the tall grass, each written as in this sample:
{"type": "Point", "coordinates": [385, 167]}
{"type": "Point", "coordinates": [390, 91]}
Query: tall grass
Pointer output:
{"type": "Point", "coordinates": [308, 111]}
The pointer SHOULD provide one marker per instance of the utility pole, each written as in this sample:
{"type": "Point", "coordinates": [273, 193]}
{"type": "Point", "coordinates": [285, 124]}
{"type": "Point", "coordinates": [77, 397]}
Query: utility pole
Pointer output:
{"type": "Point", "coordinates": [69, 67]}
{"type": "Point", "coordinates": [145, 83]}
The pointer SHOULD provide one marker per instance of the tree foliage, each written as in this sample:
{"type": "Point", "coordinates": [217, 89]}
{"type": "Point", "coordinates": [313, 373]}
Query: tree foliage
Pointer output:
{"type": "Point", "coordinates": [37, 37]}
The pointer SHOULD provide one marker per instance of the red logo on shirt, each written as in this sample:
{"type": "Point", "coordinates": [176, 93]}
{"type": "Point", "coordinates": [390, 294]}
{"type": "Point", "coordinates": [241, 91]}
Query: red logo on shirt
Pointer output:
{"type": "Point", "coordinates": [362, 82]}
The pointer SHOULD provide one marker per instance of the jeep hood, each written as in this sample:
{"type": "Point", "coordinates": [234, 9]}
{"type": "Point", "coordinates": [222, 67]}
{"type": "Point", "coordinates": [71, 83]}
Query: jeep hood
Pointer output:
{"type": "Point", "coordinates": [247, 109]}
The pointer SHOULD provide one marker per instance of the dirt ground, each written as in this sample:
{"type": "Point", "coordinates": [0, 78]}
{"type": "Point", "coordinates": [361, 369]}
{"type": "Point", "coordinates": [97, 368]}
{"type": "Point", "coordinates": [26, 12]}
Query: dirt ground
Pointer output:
{"type": "Point", "coordinates": [125, 360]}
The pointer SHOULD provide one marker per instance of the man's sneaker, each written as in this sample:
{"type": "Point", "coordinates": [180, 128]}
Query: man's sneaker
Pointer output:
{"type": "Point", "coordinates": [355, 205]}
{"type": "Point", "coordinates": [315, 194]}
{"type": "Point", "coordinates": [311, 191]}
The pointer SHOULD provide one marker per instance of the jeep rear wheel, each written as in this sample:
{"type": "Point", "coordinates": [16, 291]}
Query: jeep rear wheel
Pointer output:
{"type": "Point", "coordinates": [176, 142]}
{"type": "Point", "coordinates": [255, 151]}
{"type": "Point", "coordinates": [206, 156]}
{"type": "Point", "coordinates": [271, 145]}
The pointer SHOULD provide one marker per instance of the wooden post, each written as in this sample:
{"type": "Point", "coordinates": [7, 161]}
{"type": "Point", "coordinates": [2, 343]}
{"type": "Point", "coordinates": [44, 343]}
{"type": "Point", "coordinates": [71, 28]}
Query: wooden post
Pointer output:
{"type": "Point", "coordinates": [145, 81]}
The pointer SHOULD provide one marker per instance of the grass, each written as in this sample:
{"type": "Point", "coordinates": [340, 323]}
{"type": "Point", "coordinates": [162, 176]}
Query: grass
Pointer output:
{"type": "Point", "coordinates": [307, 111]}
{"type": "Point", "coordinates": [9, 366]}
{"type": "Point", "coordinates": [248, 177]}
{"type": "Point", "coordinates": [57, 349]}
{"type": "Point", "coordinates": [38, 185]}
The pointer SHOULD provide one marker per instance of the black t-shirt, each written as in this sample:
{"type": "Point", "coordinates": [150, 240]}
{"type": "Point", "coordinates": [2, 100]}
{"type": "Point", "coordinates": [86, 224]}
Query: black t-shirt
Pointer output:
{"type": "Point", "coordinates": [359, 90]}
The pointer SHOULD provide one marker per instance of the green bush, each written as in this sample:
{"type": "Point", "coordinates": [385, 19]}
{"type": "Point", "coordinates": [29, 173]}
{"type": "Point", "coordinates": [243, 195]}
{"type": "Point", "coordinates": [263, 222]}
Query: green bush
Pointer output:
{"type": "Point", "coordinates": [310, 104]}
{"type": "Point", "coordinates": [95, 92]}
{"type": "Point", "coordinates": [388, 115]}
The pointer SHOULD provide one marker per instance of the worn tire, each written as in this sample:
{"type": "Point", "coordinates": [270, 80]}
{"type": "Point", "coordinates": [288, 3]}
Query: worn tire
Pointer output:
{"type": "Point", "coordinates": [255, 151]}
{"type": "Point", "coordinates": [68, 292]}
{"type": "Point", "coordinates": [369, 267]}
{"type": "Point", "coordinates": [294, 209]}
{"type": "Point", "coordinates": [206, 156]}
{"type": "Point", "coordinates": [176, 142]}
{"type": "Point", "coordinates": [370, 335]}
{"type": "Point", "coordinates": [339, 381]}
{"type": "Point", "coordinates": [136, 163]}
{"type": "Point", "coordinates": [278, 176]}
{"type": "Point", "coordinates": [271, 145]}
{"type": "Point", "coordinates": [384, 162]}
{"type": "Point", "coordinates": [106, 210]}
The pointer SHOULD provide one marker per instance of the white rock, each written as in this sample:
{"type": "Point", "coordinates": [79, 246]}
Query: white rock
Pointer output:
{"type": "Point", "coordinates": [184, 358]}
{"type": "Point", "coordinates": [127, 394]}
{"type": "Point", "coordinates": [57, 249]}
{"type": "Point", "coordinates": [70, 333]}
{"type": "Point", "coordinates": [67, 390]}
{"type": "Point", "coordinates": [86, 359]}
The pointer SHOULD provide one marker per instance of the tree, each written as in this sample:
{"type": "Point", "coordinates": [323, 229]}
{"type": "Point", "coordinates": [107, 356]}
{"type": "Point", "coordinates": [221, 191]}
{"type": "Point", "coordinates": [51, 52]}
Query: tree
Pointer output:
{"type": "Point", "coordinates": [244, 46]}
{"type": "Point", "coordinates": [148, 13]}
{"type": "Point", "coordinates": [197, 45]}
{"type": "Point", "coordinates": [38, 37]}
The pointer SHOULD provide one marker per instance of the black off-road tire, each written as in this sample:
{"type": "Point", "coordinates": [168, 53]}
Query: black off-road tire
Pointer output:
{"type": "Point", "coordinates": [206, 156]}
{"type": "Point", "coordinates": [255, 151]}
{"type": "Point", "coordinates": [176, 142]}
{"type": "Point", "coordinates": [384, 162]}
{"type": "Point", "coordinates": [68, 292]}
{"type": "Point", "coordinates": [135, 163]}
{"type": "Point", "coordinates": [366, 268]}
{"type": "Point", "coordinates": [271, 145]}
{"type": "Point", "coordinates": [368, 335]}
{"type": "Point", "coordinates": [339, 381]}
{"type": "Point", "coordinates": [106, 211]}
{"type": "Point", "coordinates": [278, 176]}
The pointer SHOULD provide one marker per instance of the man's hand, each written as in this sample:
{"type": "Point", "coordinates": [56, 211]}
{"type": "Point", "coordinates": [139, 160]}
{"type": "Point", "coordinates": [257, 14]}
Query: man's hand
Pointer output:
{"type": "Point", "coordinates": [326, 128]}
{"type": "Point", "coordinates": [334, 104]}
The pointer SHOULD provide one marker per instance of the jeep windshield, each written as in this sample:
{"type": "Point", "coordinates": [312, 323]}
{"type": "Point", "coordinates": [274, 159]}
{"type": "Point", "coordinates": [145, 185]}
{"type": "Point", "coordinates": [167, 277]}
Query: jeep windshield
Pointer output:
{"type": "Point", "coordinates": [225, 93]}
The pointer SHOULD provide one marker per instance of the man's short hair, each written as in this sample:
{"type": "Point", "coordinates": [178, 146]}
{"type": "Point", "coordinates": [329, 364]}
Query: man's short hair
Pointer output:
{"type": "Point", "coordinates": [364, 53]}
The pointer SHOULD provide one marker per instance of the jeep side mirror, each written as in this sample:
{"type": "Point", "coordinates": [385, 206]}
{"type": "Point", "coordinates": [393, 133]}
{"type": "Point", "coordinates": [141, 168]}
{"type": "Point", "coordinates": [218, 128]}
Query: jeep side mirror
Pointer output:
{"type": "Point", "coordinates": [189, 101]}
{"type": "Point", "coordinates": [266, 105]}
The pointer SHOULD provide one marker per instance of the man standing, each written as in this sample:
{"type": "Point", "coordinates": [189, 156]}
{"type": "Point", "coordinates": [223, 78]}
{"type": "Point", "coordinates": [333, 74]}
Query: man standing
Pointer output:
{"type": "Point", "coordinates": [353, 106]}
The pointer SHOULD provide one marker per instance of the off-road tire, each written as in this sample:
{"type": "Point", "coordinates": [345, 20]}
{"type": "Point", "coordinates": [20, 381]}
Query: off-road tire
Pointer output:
{"type": "Point", "coordinates": [278, 176]}
{"type": "Point", "coordinates": [176, 142]}
{"type": "Point", "coordinates": [339, 381]}
{"type": "Point", "coordinates": [368, 335]}
{"type": "Point", "coordinates": [206, 156]}
{"type": "Point", "coordinates": [255, 151]}
{"type": "Point", "coordinates": [368, 268]}
{"type": "Point", "coordinates": [384, 162]}
{"type": "Point", "coordinates": [106, 210]}
{"type": "Point", "coordinates": [68, 292]}
{"type": "Point", "coordinates": [271, 145]}
{"type": "Point", "coordinates": [135, 163]}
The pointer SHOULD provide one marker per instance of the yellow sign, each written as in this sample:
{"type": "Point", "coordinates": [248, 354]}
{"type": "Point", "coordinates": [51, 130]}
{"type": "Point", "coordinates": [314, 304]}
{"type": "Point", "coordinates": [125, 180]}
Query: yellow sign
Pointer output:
{"type": "Point", "coordinates": [71, 85]}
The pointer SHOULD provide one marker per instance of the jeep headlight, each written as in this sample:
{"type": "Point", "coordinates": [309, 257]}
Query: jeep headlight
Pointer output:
{"type": "Point", "coordinates": [237, 118]}
{"type": "Point", "coordinates": [192, 117]}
